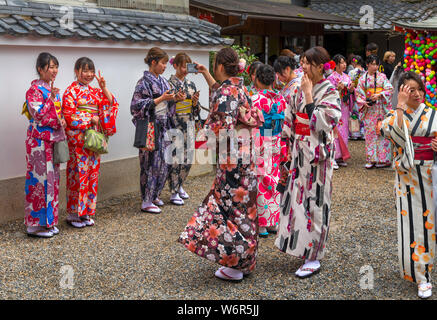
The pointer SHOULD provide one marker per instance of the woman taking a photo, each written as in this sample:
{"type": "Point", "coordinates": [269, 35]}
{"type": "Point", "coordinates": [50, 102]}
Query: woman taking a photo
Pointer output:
{"type": "Point", "coordinates": [224, 229]}
{"type": "Point", "coordinates": [46, 127]}
{"type": "Point", "coordinates": [152, 98]}
{"type": "Point", "coordinates": [85, 107]}
{"type": "Point", "coordinates": [373, 96]}
{"type": "Point", "coordinates": [306, 203]}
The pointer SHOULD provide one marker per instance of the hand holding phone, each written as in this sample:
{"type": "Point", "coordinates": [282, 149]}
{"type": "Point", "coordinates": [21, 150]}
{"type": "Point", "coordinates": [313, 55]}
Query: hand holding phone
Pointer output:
{"type": "Point", "coordinates": [192, 68]}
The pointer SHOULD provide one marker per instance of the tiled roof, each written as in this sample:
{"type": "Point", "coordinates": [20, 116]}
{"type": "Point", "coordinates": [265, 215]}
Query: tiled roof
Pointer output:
{"type": "Point", "coordinates": [385, 12]}
{"type": "Point", "coordinates": [23, 18]}
{"type": "Point", "coordinates": [269, 10]}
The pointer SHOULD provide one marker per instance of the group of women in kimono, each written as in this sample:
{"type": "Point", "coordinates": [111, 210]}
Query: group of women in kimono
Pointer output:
{"type": "Point", "coordinates": [172, 104]}
{"type": "Point", "coordinates": [288, 191]}
{"type": "Point", "coordinates": [295, 136]}
{"type": "Point", "coordinates": [366, 96]}
{"type": "Point", "coordinates": [51, 121]}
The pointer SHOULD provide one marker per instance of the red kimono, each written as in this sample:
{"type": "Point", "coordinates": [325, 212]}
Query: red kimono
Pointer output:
{"type": "Point", "coordinates": [79, 104]}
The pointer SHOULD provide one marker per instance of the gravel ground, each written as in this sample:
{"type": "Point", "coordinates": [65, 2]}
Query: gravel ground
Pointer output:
{"type": "Point", "coordinates": [133, 255]}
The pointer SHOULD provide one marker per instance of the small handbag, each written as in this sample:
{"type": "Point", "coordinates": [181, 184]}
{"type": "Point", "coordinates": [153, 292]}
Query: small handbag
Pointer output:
{"type": "Point", "coordinates": [96, 141]}
{"type": "Point", "coordinates": [61, 152]}
{"type": "Point", "coordinates": [145, 133]}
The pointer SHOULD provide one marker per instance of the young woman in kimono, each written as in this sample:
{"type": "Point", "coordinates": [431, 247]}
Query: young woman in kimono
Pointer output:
{"type": "Point", "coordinates": [272, 104]}
{"type": "Point", "coordinates": [252, 89]}
{"type": "Point", "coordinates": [186, 112]}
{"type": "Point", "coordinates": [45, 128]}
{"type": "Point", "coordinates": [224, 229]}
{"type": "Point", "coordinates": [355, 75]}
{"type": "Point", "coordinates": [85, 107]}
{"type": "Point", "coordinates": [306, 203]}
{"type": "Point", "coordinates": [152, 95]}
{"type": "Point", "coordinates": [285, 72]}
{"type": "Point", "coordinates": [342, 83]}
{"type": "Point", "coordinates": [374, 100]}
{"type": "Point", "coordinates": [412, 128]}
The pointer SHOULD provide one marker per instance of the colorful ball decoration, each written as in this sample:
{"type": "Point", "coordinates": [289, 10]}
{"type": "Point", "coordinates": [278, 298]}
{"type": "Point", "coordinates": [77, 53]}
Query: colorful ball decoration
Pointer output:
{"type": "Point", "coordinates": [420, 56]}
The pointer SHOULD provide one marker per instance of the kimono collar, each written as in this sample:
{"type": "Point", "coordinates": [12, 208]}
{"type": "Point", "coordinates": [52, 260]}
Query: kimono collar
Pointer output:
{"type": "Point", "coordinates": [41, 83]}
{"type": "Point", "coordinates": [269, 93]}
{"type": "Point", "coordinates": [321, 81]}
{"type": "Point", "coordinates": [173, 78]}
{"type": "Point", "coordinates": [151, 76]}
{"type": "Point", "coordinates": [234, 81]}
{"type": "Point", "coordinates": [77, 83]}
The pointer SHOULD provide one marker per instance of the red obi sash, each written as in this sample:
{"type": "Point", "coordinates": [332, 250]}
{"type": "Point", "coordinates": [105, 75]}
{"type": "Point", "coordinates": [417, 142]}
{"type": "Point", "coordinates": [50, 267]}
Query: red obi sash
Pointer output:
{"type": "Point", "coordinates": [302, 124]}
{"type": "Point", "coordinates": [423, 151]}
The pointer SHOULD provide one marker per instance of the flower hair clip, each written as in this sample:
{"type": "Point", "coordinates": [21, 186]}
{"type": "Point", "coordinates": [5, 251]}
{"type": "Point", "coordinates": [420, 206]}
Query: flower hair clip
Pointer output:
{"type": "Point", "coordinates": [172, 60]}
{"type": "Point", "coordinates": [241, 65]}
{"type": "Point", "coordinates": [329, 65]}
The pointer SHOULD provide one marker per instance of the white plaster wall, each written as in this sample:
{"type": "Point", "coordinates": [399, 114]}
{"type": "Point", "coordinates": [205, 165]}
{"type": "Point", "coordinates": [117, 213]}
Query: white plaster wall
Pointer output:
{"type": "Point", "coordinates": [122, 64]}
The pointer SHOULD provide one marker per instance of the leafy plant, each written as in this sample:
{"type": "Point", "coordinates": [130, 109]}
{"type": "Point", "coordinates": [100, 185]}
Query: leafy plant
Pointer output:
{"type": "Point", "coordinates": [243, 53]}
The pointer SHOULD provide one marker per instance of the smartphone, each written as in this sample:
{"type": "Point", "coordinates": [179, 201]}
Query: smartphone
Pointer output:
{"type": "Point", "coordinates": [191, 68]}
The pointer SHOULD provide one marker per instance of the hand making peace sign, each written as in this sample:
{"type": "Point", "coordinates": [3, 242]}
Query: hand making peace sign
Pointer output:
{"type": "Point", "coordinates": [53, 91]}
{"type": "Point", "coordinates": [101, 81]}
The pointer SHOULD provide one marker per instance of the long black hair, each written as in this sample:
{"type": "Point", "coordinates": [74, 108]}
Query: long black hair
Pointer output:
{"type": "Point", "coordinates": [43, 61]}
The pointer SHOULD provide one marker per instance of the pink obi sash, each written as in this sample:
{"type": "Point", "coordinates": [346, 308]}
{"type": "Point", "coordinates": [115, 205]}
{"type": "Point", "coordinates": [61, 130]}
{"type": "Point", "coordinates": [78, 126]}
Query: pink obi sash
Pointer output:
{"type": "Point", "coordinates": [423, 151]}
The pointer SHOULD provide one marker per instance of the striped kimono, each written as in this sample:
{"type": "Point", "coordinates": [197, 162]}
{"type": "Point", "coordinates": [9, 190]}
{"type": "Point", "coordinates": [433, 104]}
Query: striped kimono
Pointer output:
{"type": "Point", "coordinates": [306, 203]}
{"type": "Point", "coordinates": [413, 160]}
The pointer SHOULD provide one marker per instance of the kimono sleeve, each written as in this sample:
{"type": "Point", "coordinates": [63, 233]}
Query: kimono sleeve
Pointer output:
{"type": "Point", "coordinates": [326, 113]}
{"type": "Point", "coordinates": [386, 94]}
{"type": "Point", "coordinates": [108, 113]}
{"type": "Point", "coordinates": [75, 119]}
{"type": "Point", "coordinates": [402, 143]}
{"type": "Point", "coordinates": [287, 139]}
{"type": "Point", "coordinates": [247, 113]}
{"type": "Point", "coordinates": [360, 92]}
{"type": "Point", "coordinates": [142, 100]}
{"type": "Point", "coordinates": [42, 111]}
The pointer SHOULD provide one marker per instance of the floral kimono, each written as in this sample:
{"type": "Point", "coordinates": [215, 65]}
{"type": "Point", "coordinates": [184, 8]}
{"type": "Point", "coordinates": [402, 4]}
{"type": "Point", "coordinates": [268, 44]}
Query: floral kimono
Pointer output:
{"type": "Point", "coordinates": [79, 104]}
{"type": "Point", "coordinates": [224, 229]}
{"type": "Point", "coordinates": [272, 104]}
{"type": "Point", "coordinates": [306, 203]}
{"type": "Point", "coordinates": [185, 113]}
{"type": "Point", "coordinates": [42, 177]}
{"type": "Point", "coordinates": [154, 169]}
{"type": "Point", "coordinates": [251, 89]}
{"type": "Point", "coordinates": [346, 108]}
{"type": "Point", "coordinates": [413, 159]}
{"type": "Point", "coordinates": [377, 147]}
{"type": "Point", "coordinates": [355, 75]}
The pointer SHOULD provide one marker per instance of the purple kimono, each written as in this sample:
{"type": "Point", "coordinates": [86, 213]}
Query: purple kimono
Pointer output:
{"type": "Point", "coordinates": [154, 169]}
{"type": "Point", "coordinates": [343, 125]}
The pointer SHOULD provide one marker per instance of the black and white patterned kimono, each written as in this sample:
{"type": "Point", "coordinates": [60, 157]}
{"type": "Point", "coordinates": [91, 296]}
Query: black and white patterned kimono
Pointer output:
{"type": "Point", "coordinates": [306, 203]}
{"type": "Point", "coordinates": [185, 117]}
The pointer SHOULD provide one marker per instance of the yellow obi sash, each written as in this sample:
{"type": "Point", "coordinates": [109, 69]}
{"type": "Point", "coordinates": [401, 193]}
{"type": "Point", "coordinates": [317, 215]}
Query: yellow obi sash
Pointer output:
{"type": "Point", "coordinates": [372, 91]}
{"type": "Point", "coordinates": [88, 108]}
{"type": "Point", "coordinates": [184, 106]}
